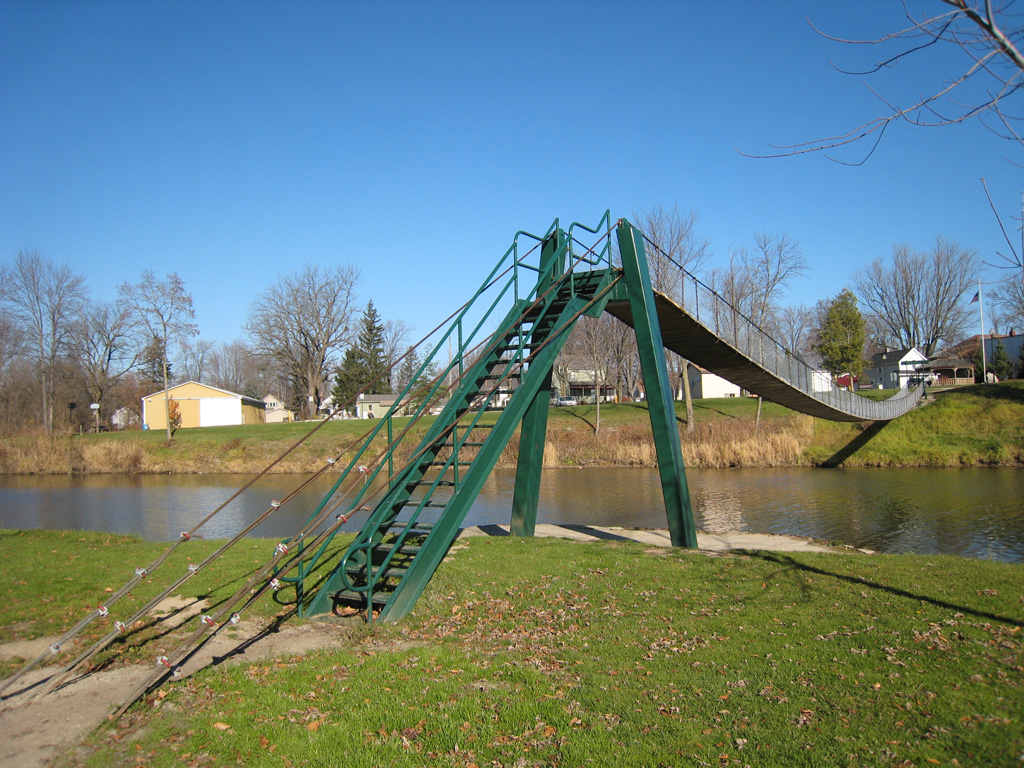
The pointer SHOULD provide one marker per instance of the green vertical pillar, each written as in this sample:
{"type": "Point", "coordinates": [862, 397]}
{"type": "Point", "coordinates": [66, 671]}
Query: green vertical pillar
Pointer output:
{"type": "Point", "coordinates": [658, 386]}
{"type": "Point", "coordinates": [535, 421]}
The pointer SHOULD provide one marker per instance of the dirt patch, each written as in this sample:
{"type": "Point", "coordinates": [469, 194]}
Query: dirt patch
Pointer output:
{"type": "Point", "coordinates": [37, 730]}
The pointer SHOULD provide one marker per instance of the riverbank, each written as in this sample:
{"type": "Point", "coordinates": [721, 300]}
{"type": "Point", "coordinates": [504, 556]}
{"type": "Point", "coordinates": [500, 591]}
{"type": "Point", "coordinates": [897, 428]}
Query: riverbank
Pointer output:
{"type": "Point", "coordinates": [968, 426]}
{"type": "Point", "coordinates": [603, 653]}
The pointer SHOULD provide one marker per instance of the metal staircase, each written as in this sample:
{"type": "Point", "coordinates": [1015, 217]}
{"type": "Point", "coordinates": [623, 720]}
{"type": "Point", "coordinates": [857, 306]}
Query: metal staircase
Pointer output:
{"type": "Point", "coordinates": [489, 391]}
{"type": "Point", "coordinates": [409, 531]}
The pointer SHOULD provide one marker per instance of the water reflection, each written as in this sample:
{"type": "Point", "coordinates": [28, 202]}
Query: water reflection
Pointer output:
{"type": "Point", "coordinates": [972, 512]}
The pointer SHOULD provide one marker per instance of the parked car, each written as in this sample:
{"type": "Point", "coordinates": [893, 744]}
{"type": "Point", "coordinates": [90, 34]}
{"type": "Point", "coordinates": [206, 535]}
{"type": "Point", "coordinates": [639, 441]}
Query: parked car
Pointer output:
{"type": "Point", "coordinates": [566, 401]}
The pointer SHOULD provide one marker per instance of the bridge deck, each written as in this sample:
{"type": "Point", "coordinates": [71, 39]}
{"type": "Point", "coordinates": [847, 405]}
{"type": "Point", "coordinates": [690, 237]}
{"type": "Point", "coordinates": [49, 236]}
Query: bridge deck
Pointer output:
{"type": "Point", "coordinates": [688, 336]}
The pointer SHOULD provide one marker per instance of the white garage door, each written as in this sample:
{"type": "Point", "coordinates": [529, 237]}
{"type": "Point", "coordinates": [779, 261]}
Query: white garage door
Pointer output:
{"type": "Point", "coordinates": [219, 411]}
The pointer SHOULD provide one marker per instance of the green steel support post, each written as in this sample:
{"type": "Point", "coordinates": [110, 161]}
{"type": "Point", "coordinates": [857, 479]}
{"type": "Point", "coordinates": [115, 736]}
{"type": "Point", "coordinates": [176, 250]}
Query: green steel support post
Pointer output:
{"type": "Point", "coordinates": [658, 386]}
{"type": "Point", "coordinates": [535, 423]}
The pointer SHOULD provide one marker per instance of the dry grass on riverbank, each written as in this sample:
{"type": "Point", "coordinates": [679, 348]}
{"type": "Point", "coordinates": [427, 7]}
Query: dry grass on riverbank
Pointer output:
{"type": "Point", "coordinates": [980, 425]}
{"type": "Point", "coordinates": [719, 443]}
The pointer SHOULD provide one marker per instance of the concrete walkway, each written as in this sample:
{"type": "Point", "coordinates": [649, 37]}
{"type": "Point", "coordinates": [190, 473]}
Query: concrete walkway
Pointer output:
{"type": "Point", "coordinates": [708, 542]}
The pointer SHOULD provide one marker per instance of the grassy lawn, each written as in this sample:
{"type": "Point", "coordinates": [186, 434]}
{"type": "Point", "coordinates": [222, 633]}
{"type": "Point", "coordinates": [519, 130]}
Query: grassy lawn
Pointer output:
{"type": "Point", "coordinates": [549, 652]}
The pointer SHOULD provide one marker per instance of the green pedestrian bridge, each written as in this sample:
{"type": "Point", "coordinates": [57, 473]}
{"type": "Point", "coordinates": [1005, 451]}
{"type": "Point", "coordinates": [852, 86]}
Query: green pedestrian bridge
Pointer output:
{"type": "Point", "coordinates": [493, 360]}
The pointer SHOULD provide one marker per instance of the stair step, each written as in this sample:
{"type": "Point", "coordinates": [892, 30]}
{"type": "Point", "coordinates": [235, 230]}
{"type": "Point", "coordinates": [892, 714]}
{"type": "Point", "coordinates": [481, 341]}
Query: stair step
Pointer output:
{"type": "Point", "coordinates": [391, 572]}
{"type": "Point", "coordinates": [405, 549]}
{"type": "Point", "coordinates": [347, 595]}
{"type": "Point", "coordinates": [418, 502]}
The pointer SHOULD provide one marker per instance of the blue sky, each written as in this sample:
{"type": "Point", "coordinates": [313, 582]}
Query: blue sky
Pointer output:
{"type": "Point", "coordinates": [233, 142]}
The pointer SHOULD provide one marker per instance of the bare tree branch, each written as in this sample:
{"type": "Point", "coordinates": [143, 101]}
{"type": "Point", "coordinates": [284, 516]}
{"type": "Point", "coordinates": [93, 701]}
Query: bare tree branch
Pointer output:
{"type": "Point", "coordinates": [983, 89]}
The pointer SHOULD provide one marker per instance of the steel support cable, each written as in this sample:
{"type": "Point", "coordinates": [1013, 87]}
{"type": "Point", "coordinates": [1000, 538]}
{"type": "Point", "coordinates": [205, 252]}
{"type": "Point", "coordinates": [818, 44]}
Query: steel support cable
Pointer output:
{"type": "Point", "coordinates": [57, 646]}
{"type": "Point", "coordinates": [313, 524]}
{"type": "Point", "coordinates": [105, 641]}
{"type": "Point", "coordinates": [201, 634]}
{"type": "Point", "coordinates": [187, 535]}
{"type": "Point", "coordinates": [168, 664]}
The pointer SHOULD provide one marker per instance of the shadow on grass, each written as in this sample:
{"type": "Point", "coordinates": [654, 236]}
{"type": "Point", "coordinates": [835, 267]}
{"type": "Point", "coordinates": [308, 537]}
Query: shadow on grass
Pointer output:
{"type": "Point", "coordinates": [577, 415]}
{"type": "Point", "coordinates": [788, 563]}
{"type": "Point", "coordinates": [709, 409]}
{"type": "Point", "coordinates": [854, 445]}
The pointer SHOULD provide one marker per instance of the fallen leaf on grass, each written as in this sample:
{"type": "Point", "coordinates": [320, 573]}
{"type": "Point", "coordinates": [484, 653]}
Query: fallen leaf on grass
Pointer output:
{"type": "Point", "coordinates": [221, 726]}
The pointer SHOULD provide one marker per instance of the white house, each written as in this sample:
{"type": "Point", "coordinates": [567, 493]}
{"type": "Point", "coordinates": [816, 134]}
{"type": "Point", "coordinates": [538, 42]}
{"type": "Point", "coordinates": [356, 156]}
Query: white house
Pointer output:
{"type": "Point", "coordinates": [704, 384]}
{"type": "Point", "coordinates": [893, 369]}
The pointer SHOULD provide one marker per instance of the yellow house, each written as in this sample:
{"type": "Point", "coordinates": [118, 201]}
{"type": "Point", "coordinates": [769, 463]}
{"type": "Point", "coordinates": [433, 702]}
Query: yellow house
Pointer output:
{"type": "Point", "coordinates": [201, 405]}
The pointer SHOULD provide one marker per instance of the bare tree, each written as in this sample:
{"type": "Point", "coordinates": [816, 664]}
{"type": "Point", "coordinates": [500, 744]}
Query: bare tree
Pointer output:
{"type": "Point", "coordinates": [195, 359]}
{"type": "Point", "coordinates": [795, 330]}
{"type": "Point", "coordinates": [1008, 297]}
{"type": "Point", "coordinates": [165, 310]}
{"type": "Point", "coordinates": [43, 299]}
{"type": "Point", "coordinates": [107, 345]}
{"type": "Point", "coordinates": [12, 341]}
{"type": "Point", "coordinates": [590, 344]}
{"type": "Point", "coordinates": [236, 367]}
{"type": "Point", "coordinates": [919, 297]}
{"type": "Point", "coordinates": [676, 247]}
{"type": "Point", "coordinates": [755, 279]}
{"type": "Point", "coordinates": [987, 35]}
{"type": "Point", "coordinates": [302, 322]}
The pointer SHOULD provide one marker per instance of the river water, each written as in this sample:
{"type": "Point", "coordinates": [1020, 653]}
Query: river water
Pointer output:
{"type": "Point", "coordinates": [971, 512]}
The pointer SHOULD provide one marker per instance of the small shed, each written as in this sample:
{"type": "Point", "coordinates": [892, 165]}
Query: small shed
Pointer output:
{"type": "Point", "coordinates": [201, 405]}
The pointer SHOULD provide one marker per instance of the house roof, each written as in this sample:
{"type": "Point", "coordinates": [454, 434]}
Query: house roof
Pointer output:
{"type": "Point", "coordinates": [893, 356]}
{"type": "Point", "coordinates": [946, 362]}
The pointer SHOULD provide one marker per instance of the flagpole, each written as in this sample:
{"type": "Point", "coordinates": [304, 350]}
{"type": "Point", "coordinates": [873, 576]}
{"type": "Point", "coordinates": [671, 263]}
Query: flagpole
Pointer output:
{"type": "Point", "coordinates": [981, 310]}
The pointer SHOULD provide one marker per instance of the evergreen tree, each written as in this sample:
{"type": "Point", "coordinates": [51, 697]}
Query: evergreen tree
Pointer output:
{"type": "Point", "coordinates": [980, 365]}
{"type": "Point", "coordinates": [841, 336]}
{"type": "Point", "coordinates": [407, 371]}
{"type": "Point", "coordinates": [1020, 363]}
{"type": "Point", "coordinates": [347, 378]}
{"type": "Point", "coordinates": [364, 367]}
{"type": "Point", "coordinates": [1000, 362]}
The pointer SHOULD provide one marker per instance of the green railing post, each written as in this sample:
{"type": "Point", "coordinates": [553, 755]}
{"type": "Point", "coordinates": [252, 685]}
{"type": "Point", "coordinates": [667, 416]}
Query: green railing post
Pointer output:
{"type": "Point", "coordinates": [535, 421]}
{"type": "Point", "coordinates": [658, 386]}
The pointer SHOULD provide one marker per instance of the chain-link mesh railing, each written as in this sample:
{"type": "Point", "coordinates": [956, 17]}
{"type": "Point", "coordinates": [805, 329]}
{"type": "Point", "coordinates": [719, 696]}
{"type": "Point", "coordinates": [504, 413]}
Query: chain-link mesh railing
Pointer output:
{"type": "Point", "coordinates": [713, 312]}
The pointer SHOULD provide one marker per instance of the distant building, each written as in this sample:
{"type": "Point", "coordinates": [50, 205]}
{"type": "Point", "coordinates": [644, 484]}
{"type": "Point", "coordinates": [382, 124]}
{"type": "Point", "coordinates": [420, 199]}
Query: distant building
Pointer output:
{"type": "Point", "coordinates": [947, 371]}
{"type": "Point", "coordinates": [1011, 342]}
{"type": "Point", "coordinates": [201, 405]}
{"type": "Point", "coordinates": [893, 369]}
{"type": "Point", "coordinates": [705, 384]}
{"type": "Point", "coordinates": [574, 377]}
{"type": "Point", "coordinates": [276, 412]}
